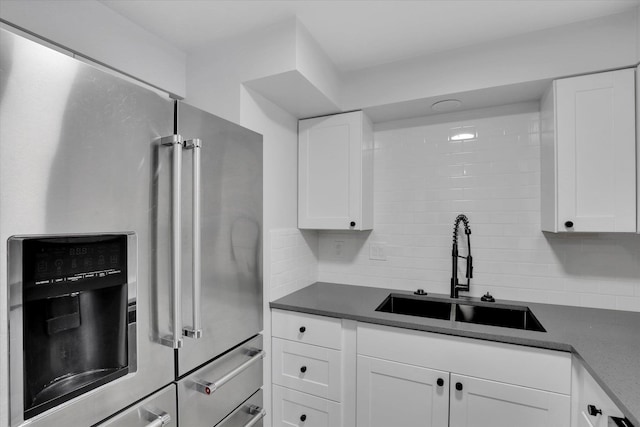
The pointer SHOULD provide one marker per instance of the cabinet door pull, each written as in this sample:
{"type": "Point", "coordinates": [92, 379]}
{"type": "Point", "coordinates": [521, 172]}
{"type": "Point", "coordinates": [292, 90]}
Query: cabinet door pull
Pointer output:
{"type": "Point", "coordinates": [568, 224]}
{"type": "Point", "coordinates": [302, 329]}
{"type": "Point", "coordinates": [593, 411]}
{"type": "Point", "coordinates": [303, 369]}
{"type": "Point", "coordinates": [440, 382]}
{"type": "Point", "coordinates": [352, 224]}
{"type": "Point", "coordinates": [303, 417]}
{"type": "Point", "coordinates": [459, 386]}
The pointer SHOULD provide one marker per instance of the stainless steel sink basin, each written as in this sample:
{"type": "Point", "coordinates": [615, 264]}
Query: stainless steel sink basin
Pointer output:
{"type": "Point", "coordinates": [516, 317]}
{"type": "Point", "coordinates": [481, 313]}
{"type": "Point", "coordinates": [416, 306]}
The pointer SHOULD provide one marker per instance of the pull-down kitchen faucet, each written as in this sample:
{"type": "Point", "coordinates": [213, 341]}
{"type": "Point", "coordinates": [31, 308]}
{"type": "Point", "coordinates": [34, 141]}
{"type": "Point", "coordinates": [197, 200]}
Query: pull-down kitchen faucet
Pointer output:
{"type": "Point", "coordinates": [455, 286]}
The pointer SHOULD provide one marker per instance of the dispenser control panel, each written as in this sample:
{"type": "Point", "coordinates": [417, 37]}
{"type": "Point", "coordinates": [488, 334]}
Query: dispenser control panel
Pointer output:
{"type": "Point", "coordinates": [70, 261]}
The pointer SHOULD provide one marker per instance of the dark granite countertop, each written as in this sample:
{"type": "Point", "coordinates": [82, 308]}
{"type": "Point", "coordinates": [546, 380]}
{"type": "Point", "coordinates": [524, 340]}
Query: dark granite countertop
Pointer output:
{"type": "Point", "coordinates": [607, 341]}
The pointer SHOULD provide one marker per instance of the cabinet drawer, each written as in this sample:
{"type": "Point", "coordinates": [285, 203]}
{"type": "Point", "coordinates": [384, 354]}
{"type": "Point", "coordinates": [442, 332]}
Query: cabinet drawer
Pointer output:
{"type": "Point", "coordinates": [307, 328]}
{"type": "Point", "coordinates": [509, 363]}
{"type": "Point", "coordinates": [292, 408]}
{"type": "Point", "coordinates": [308, 368]}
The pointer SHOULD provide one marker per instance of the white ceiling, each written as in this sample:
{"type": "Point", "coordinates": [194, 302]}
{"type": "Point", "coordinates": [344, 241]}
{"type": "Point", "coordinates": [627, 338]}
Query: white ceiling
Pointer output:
{"type": "Point", "coordinates": [360, 34]}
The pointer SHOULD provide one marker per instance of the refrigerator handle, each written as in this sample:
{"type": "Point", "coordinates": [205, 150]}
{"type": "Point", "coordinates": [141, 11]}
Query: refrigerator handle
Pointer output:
{"type": "Point", "coordinates": [156, 417]}
{"type": "Point", "coordinates": [196, 330]}
{"type": "Point", "coordinates": [175, 143]}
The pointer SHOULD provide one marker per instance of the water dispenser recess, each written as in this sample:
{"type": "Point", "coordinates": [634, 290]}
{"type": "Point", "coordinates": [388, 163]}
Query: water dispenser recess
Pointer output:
{"type": "Point", "coordinates": [75, 316]}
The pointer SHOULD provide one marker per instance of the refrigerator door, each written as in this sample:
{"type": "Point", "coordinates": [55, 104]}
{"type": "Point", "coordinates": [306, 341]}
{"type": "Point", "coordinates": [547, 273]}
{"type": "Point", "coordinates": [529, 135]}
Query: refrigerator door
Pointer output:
{"type": "Point", "coordinates": [157, 410]}
{"type": "Point", "coordinates": [230, 233]}
{"type": "Point", "coordinates": [208, 395]}
{"type": "Point", "coordinates": [77, 155]}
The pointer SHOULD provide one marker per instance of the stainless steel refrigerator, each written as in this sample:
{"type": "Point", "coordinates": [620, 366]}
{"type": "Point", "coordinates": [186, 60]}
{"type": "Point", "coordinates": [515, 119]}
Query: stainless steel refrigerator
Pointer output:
{"type": "Point", "coordinates": [130, 254]}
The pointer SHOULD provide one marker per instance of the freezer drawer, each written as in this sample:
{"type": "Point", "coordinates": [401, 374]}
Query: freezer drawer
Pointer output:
{"type": "Point", "coordinates": [249, 414]}
{"type": "Point", "coordinates": [208, 395]}
{"type": "Point", "coordinates": [157, 410]}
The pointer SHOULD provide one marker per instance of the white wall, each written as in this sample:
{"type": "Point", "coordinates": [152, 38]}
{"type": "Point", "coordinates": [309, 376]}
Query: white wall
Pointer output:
{"type": "Point", "coordinates": [315, 65]}
{"type": "Point", "coordinates": [638, 34]}
{"type": "Point", "coordinates": [579, 48]}
{"type": "Point", "coordinates": [215, 74]}
{"type": "Point", "coordinates": [422, 181]}
{"type": "Point", "coordinates": [92, 30]}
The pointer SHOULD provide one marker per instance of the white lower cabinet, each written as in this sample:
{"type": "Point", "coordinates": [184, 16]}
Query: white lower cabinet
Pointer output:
{"type": "Point", "coordinates": [313, 370]}
{"type": "Point", "coordinates": [482, 403]}
{"type": "Point", "coordinates": [420, 379]}
{"type": "Point", "coordinates": [391, 394]}
{"type": "Point", "coordinates": [591, 405]}
{"type": "Point", "coordinates": [379, 376]}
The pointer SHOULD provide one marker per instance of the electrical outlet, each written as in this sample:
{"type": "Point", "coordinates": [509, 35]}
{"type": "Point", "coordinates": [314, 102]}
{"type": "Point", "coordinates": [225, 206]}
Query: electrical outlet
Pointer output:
{"type": "Point", "coordinates": [377, 251]}
{"type": "Point", "coordinates": [338, 248]}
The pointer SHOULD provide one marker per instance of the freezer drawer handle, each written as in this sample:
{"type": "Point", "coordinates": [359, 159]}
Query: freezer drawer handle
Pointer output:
{"type": "Point", "coordinates": [175, 143]}
{"type": "Point", "coordinates": [160, 418]}
{"type": "Point", "coordinates": [207, 387]}
{"type": "Point", "coordinates": [196, 330]}
{"type": "Point", "coordinates": [258, 412]}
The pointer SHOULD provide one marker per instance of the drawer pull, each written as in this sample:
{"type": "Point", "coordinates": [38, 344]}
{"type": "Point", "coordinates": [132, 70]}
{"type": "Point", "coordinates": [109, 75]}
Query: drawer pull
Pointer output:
{"type": "Point", "coordinates": [302, 329]}
{"type": "Point", "coordinates": [303, 417]}
{"type": "Point", "coordinates": [258, 414]}
{"type": "Point", "coordinates": [303, 369]}
{"type": "Point", "coordinates": [206, 387]}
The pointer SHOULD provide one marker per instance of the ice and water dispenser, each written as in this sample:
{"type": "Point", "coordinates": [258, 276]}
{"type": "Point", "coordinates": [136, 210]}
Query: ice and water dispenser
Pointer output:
{"type": "Point", "coordinates": [77, 312]}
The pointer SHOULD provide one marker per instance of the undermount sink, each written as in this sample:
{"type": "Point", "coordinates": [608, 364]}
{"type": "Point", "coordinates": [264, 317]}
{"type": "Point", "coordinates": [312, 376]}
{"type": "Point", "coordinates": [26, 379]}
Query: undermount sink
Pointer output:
{"type": "Point", "coordinates": [416, 306]}
{"type": "Point", "coordinates": [516, 317]}
{"type": "Point", "coordinates": [506, 316]}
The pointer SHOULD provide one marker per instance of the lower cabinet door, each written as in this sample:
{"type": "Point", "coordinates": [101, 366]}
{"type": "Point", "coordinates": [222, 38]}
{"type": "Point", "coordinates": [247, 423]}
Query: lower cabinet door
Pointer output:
{"type": "Point", "coordinates": [392, 394]}
{"type": "Point", "coordinates": [293, 408]}
{"type": "Point", "coordinates": [482, 403]}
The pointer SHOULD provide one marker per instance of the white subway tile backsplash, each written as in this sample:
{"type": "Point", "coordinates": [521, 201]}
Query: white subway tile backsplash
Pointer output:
{"type": "Point", "coordinates": [422, 180]}
{"type": "Point", "coordinates": [294, 260]}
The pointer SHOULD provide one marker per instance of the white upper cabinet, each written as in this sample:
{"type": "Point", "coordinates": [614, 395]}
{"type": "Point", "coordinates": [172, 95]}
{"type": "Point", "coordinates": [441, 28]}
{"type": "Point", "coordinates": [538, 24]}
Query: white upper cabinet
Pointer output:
{"type": "Point", "coordinates": [335, 172]}
{"type": "Point", "coordinates": [588, 154]}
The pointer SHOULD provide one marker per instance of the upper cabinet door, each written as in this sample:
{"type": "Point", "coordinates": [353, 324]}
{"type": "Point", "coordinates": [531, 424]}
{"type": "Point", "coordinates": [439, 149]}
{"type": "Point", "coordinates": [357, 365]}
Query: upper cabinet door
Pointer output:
{"type": "Point", "coordinates": [590, 154]}
{"type": "Point", "coordinates": [335, 172]}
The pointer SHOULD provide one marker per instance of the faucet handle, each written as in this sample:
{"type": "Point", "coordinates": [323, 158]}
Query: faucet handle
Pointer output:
{"type": "Point", "coordinates": [487, 298]}
{"type": "Point", "coordinates": [469, 266]}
